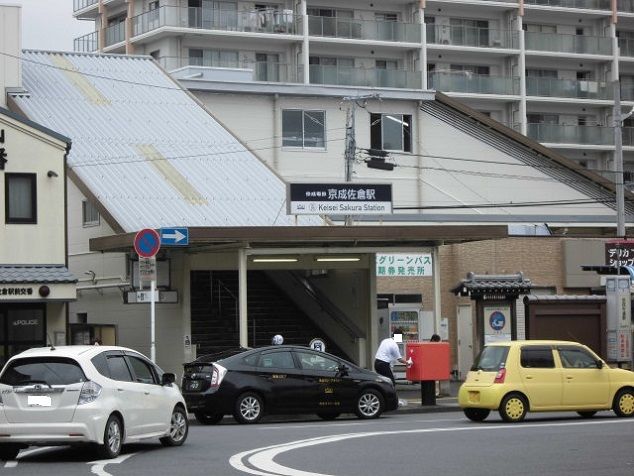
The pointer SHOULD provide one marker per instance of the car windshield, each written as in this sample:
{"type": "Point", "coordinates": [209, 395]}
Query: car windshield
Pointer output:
{"type": "Point", "coordinates": [491, 358]}
{"type": "Point", "coordinates": [42, 370]}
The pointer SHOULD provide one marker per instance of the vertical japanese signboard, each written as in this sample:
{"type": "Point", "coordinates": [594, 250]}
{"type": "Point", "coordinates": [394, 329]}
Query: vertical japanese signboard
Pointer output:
{"type": "Point", "coordinates": [404, 265]}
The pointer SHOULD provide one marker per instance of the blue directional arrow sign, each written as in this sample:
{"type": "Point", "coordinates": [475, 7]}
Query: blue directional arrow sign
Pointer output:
{"type": "Point", "coordinates": [174, 236]}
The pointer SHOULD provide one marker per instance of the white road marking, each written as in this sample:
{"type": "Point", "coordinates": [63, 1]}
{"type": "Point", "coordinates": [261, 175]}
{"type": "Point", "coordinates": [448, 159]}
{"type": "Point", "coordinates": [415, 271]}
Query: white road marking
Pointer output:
{"type": "Point", "coordinates": [262, 458]}
{"type": "Point", "coordinates": [98, 466]}
{"type": "Point", "coordinates": [23, 453]}
{"type": "Point", "coordinates": [11, 464]}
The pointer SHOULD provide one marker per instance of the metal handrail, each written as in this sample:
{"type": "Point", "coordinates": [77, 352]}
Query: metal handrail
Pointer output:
{"type": "Point", "coordinates": [328, 306]}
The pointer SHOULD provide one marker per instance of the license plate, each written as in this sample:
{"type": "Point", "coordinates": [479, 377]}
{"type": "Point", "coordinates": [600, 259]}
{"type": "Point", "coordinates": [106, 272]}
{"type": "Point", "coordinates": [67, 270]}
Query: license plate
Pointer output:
{"type": "Point", "coordinates": [39, 401]}
{"type": "Point", "coordinates": [195, 385]}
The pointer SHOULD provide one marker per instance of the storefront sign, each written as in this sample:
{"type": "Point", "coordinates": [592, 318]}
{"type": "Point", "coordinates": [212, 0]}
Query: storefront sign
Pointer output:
{"type": "Point", "coordinates": [339, 199]}
{"type": "Point", "coordinates": [619, 253]}
{"type": "Point", "coordinates": [497, 324]}
{"type": "Point", "coordinates": [403, 265]}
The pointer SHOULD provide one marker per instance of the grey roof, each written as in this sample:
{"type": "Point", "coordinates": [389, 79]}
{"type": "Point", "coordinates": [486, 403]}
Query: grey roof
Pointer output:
{"type": "Point", "coordinates": [35, 274]}
{"type": "Point", "coordinates": [145, 148]}
{"type": "Point", "coordinates": [476, 284]}
{"type": "Point", "coordinates": [34, 125]}
{"type": "Point", "coordinates": [564, 298]}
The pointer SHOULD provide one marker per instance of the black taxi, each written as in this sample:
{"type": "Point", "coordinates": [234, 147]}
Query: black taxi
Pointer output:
{"type": "Point", "coordinates": [282, 379]}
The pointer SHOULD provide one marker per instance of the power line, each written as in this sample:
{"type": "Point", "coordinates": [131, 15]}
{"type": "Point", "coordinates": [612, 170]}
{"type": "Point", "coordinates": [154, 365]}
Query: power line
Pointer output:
{"type": "Point", "coordinates": [582, 201]}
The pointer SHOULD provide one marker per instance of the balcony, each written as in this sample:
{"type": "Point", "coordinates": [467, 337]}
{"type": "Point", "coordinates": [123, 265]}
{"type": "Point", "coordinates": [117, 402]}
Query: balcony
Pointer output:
{"type": "Point", "coordinates": [476, 37]}
{"type": "Point", "coordinates": [565, 88]}
{"type": "Point", "coordinates": [589, 45]}
{"type": "Point", "coordinates": [328, 27]}
{"type": "Point", "coordinates": [81, 4]}
{"type": "Point", "coordinates": [373, 78]}
{"type": "Point", "coordinates": [581, 4]}
{"type": "Point", "coordinates": [562, 134]}
{"type": "Point", "coordinates": [230, 71]}
{"type": "Point", "coordinates": [626, 6]}
{"type": "Point", "coordinates": [466, 82]}
{"type": "Point", "coordinates": [115, 33]}
{"type": "Point", "coordinates": [268, 21]}
{"type": "Point", "coordinates": [627, 134]}
{"type": "Point", "coordinates": [87, 43]}
{"type": "Point", "coordinates": [626, 47]}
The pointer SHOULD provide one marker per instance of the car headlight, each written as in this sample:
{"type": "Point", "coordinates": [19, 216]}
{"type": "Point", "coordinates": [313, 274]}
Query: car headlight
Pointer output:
{"type": "Point", "coordinates": [89, 392]}
{"type": "Point", "coordinates": [383, 379]}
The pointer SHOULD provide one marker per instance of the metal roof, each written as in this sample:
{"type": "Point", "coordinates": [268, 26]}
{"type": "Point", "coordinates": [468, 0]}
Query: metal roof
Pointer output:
{"type": "Point", "coordinates": [35, 274]}
{"type": "Point", "coordinates": [146, 150]}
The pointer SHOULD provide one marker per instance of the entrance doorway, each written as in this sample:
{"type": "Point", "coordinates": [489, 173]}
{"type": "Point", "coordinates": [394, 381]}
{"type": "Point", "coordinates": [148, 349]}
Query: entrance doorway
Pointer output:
{"type": "Point", "coordinates": [22, 326]}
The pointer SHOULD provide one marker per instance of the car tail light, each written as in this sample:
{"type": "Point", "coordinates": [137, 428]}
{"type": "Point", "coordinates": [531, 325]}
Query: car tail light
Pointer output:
{"type": "Point", "coordinates": [217, 374]}
{"type": "Point", "coordinates": [89, 392]}
{"type": "Point", "coordinates": [500, 376]}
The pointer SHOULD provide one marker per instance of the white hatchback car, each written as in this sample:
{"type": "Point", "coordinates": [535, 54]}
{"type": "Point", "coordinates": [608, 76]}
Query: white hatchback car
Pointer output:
{"type": "Point", "coordinates": [87, 394]}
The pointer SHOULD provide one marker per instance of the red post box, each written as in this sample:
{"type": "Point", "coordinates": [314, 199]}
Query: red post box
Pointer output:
{"type": "Point", "coordinates": [431, 361]}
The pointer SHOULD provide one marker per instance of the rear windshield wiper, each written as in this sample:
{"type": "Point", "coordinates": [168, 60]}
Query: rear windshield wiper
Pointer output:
{"type": "Point", "coordinates": [32, 382]}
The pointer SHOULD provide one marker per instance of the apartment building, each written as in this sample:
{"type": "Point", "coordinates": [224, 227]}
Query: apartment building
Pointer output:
{"type": "Point", "coordinates": [542, 67]}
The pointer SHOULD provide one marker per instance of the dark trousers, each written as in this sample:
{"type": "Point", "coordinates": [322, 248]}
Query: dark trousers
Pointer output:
{"type": "Point", "coordinates": [383, 368]}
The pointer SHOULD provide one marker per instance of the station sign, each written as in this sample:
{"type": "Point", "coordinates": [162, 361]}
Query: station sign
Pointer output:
{"type": "Point", "coordinates": [339, 199]}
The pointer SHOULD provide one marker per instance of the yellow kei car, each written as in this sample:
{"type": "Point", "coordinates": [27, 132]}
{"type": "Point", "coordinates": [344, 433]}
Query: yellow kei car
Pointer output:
{"type": "Point", "coordinates": [541, 376]}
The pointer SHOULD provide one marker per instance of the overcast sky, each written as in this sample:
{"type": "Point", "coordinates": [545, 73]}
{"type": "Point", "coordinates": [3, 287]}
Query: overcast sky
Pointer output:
{"type": "Point", "coordinates": [49, 24]}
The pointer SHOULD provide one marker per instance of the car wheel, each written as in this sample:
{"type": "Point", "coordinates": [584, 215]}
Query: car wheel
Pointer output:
{"type": "Point", "coordinates": [624, 403]}
{"type": "Point", "coordinates": [8, 451]}
{"type": "Point", "coordinates": [112, 438]}
{"type": "Point", "coordinates": [249, 408]}
{"type": "Point", "coordinates": [208, 418]}
{"type": "Point", "coordinates": [588, 414]}
{"type": "Point", "coordinates": [328, 415]}
{"type": "Point", "coordinates": [369, 404]}
{"type": "Point", "coordinates": [513, 408]}
{"type": "Point", "coordinates": [476, 414]}
{"type": "Point", "coordinates": [179, 427]}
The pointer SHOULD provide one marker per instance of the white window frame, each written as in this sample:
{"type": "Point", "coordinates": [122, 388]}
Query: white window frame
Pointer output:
{"type": "Point", "coordinates": [86, 207]}
{"type": "Point", "coordinates": [304, 146]}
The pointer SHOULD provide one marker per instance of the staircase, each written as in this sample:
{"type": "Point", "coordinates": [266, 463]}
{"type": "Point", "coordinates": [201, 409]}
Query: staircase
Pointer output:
{"type": "Point", "coordinates": [214, 309]}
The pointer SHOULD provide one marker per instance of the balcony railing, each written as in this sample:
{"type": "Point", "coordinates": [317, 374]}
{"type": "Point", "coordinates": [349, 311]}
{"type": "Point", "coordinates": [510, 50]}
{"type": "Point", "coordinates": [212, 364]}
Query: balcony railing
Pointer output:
{"type": "Point", "coordinates": [87, 43]}
{"type": "Point", "coordinates": [379, 78]}
{"type": "Point", "coordinates": [466, 82]}
{"type": "Point", "coordinates": [625, 6]}
{"type": "Point", "coordinates": [467, 36]}
{"type": "Point", "coordinates": [234, 70]}
{"type": "Point", "coordinates": [268, 21]}
{"type": "Point", "coordinates": [364, 29]}
{"type": "Point", "coordinates": [562, 134]}
{"type": "Point", "coordinates": [626, 47]}
{"type": "Point", "coordinates": [583, 4]}
{"type": "Point", "coordinates": [115, 33]}
{"type": "Point", "coordinates": [593, 45]}
{"type": "Point", "coordinates": [627, 134]}
{"type": "Point", "coordinates": [565, 88]}
{"type": "Point", "coordinates": [81, 4]}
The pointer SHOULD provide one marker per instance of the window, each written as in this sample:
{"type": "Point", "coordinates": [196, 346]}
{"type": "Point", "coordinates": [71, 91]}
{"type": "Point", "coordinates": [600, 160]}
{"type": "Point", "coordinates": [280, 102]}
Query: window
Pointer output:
{"type": "Point", "coordinates": [537, 358]}
{"type": "Point", "coordinates": [101, 364]}
{"type": "Point", "coordinates": [277, 360]}
{"type": "Point", "coordinates": [89, 213]}
{"type": "Point", "coordinates": [213, 58]}
{"type": "Point", "coordinates": [491, 358]}
{"type": "Point", "coordinates": [391, 132]}
{"type": "Point", "coordinates": [313, 361]}
{"type": "Point", "coordinates": [118, 368]}
{"type": "Point", "coordinates": [304, 129]}
{"type": "Point", "coordinates": [142, 370]}
{"type": "Point", "coordinates": [40, 370]}
{"type": "Point", "coordinates": [576, 358]}
{"type": "Point", "coordinates": [20, 198]}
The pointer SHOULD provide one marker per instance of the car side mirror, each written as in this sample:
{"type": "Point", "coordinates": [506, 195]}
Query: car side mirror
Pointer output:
{"type": "Point", "coordinates": [168, 379]}
{"type": "Point", "coordinates": [343, 369]}
{"type": "Point", "coordinates": [599, 364]}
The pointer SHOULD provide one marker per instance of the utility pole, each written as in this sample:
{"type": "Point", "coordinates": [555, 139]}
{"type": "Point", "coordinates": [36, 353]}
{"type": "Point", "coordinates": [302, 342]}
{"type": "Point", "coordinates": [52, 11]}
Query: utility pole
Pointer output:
{"type": "Point", "coordinates": [351, 143]}
{"type": "Point", "coordinates": [618, 161]}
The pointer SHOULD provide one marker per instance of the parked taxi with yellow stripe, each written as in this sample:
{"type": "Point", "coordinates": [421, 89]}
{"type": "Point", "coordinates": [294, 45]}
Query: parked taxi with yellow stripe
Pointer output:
{"type": "Point", "coordinates": [516, 377]}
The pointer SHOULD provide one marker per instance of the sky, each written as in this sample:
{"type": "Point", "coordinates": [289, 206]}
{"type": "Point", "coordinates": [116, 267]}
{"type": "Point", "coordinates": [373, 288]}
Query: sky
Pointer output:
{"type": "Point", "coordinates": [49, 24]}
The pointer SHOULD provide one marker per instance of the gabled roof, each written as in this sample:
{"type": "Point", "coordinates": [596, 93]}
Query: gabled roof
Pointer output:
{"type": "Point", "coordinates": [38, 127]}
{"type": "Point", "coordinates": [145, 149]}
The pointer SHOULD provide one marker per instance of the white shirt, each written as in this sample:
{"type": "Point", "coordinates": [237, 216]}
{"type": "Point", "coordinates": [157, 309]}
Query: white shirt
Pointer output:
{"type": "Point", "coordinates": [388, 351]}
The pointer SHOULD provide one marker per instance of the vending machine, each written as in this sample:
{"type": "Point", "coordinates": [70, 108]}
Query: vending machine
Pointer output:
{"type": "Point", "coordinates": [409, 318]}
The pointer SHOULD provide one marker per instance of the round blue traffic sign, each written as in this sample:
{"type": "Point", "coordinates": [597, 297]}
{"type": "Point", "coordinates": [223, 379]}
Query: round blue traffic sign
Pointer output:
{"type": "Point", "coordinates": [497, 321]}
{"type": "Point", "coordinates": [147, 243]}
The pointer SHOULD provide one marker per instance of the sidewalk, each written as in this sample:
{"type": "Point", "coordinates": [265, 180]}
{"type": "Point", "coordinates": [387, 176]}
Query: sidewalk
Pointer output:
{"type": "Point", "coordinates": [410, 393]}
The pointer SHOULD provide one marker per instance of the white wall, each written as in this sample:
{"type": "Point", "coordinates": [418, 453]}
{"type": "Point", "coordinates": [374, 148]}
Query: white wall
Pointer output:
{"type": "Point", "coordinates": [10, 46]}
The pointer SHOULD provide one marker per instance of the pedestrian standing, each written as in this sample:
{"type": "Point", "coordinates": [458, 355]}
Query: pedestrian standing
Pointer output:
{"type": "Point", "coordinates": [387, 353]}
